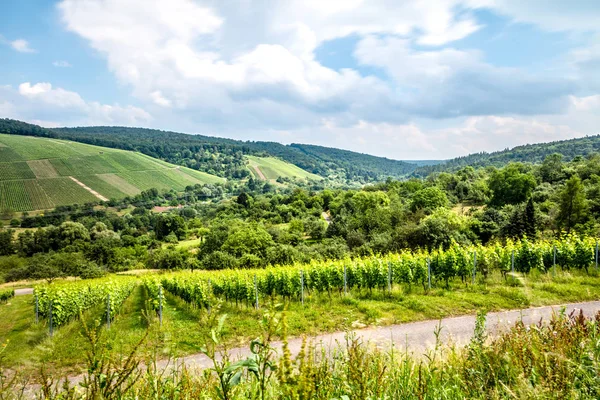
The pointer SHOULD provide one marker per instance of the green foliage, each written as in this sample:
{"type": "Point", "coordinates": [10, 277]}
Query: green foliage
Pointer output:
{"type": "Point", "coordinates": [511, 185]}
{"type": "Point", "coordinates": [429, 198]}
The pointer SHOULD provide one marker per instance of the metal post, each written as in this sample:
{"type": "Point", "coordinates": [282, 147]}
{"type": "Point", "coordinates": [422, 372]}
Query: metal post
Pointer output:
{"type": "Point", "coordinates": [108, 311]}
{"type": "Point", "coordinates": [209, 295]}
{"type": "Point", "coordinates": [256, 292]}
{"type": "Point", "coordinates": [512, 262]}
{"type": "Point", "coordinates": [37, 309]}
{"type": "Point", "coordinates": [390, 277]}
{"type": "Point", "coordinates": [302, 286]}
{"type": "Point", "coordinates": [50, 321]}
{"type": "Point", "coordinates": [428, 274]}
{"type": "Point", "coordinates": [160, 305]}
{"type": "Point", "coordinates": [345, 281]}
{"type": "Point", "coordinates": [554, 260]}
{"type": "Point", "coordinates": [474, 265]}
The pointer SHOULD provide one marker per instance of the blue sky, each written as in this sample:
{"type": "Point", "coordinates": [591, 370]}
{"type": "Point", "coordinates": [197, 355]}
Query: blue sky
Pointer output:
{"type": "Point", "coordinates": [413, 79]}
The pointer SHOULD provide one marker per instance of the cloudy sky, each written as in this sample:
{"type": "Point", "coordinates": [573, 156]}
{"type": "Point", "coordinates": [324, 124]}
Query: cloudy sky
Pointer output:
{"type": "Point", "coordinates": [416, 79]}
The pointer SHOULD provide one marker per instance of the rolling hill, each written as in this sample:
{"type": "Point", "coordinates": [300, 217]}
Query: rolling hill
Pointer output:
{"type": "Point", "coordinates": [220, 156]}
{"type": "Point", "coordinates": [270, 168]}
{"type": "Point", "coordinates": [530, 153]}
{"type": "Point", "coordinates": [41, 173]}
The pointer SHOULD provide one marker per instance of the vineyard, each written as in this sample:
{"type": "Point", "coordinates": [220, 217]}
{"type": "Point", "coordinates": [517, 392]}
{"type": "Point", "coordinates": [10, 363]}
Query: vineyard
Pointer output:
{"type": "Point", "coordinates": [35, 173]}
{"type": "Point", "coordinates": [436, 269]}
{"type": "Point", "coordinates": [462, 266]}
{"type": "Point", "coordinates": [61, 303]}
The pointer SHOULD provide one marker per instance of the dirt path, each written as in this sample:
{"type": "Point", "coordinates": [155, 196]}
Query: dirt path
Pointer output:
{"type": "Point", "coordinates": [23, 291]}
{"type": "Point", "coordinates": [89, 189]}
{"type": "Point", "coordinates": [415, 337]}
{"type": "Point", "coordinates": [259, 172]}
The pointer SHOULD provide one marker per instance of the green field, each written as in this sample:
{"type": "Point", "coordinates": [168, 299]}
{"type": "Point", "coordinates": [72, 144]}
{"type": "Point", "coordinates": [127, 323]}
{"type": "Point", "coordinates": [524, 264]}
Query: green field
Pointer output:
{"type": "Point", "coordinates": [273, 168]}
{"type": "Point", "coordinates": [35, 173]}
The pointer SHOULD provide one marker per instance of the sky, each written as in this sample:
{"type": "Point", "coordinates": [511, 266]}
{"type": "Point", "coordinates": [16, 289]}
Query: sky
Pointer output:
{"type": "Point", "coordinates": [422, 79]}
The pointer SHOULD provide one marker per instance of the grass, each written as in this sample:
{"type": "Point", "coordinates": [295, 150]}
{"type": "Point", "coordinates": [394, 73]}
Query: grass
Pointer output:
{"type": "Point", "coordinates": [40, 168]}
{"type": "Point", "coordinates": [183, 326]}
{"type": "Point", "coordinates": [273, 168]}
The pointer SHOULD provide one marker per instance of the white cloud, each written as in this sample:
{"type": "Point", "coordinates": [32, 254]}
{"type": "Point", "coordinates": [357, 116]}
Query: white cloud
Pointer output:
{"type": "Point", "coordinates": [22, 46]}
{"type": "Point", "coordinates": [251, 71]}
{"type": "Point", "coordinates": [50, 106]}
{"type": "Point", "coordinates": [62, 64]}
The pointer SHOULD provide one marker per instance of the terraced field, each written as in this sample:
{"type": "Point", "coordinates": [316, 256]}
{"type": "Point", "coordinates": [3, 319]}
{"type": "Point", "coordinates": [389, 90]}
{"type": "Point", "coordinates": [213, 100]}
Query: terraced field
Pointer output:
{"type": "Point", "coordinates": [270, 168]}
{"type": "Point", "coordinates": [35, 173]}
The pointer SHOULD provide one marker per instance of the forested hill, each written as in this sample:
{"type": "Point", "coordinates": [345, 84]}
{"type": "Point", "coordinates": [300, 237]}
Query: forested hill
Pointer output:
{"type": "Point", "coordinates": [220, 156]}
{"type": "Point", "coordinates": [530, 153]}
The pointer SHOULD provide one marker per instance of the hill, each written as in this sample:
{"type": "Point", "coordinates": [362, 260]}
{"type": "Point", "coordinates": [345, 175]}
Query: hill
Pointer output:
{"type": "Point", "coordinates": [40, 173]}
{"type": "Point", "coordinates": [222, 157]}
{"type": "Point", "coordinates": [270, 168]}
{"type": "Point", "coordinates": [530, 153]}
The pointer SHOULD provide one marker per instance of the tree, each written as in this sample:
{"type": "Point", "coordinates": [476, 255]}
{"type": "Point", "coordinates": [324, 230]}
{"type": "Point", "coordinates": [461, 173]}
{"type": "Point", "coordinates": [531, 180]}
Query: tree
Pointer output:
{"type": "Point", "coordinates": [429, 199]}
{"type": "Point", "coordinates": [6, 243]}
{"type": "Point", "coordinates": [572, 205]}
{"type": "Point", "coordinates": [170, 223]}
{"type": "Point", "coordinates": [529, 218]}
{"type": "Point", "coordinates": [551, 169]}
{"type": "Point", "coordinates": [510, 185]}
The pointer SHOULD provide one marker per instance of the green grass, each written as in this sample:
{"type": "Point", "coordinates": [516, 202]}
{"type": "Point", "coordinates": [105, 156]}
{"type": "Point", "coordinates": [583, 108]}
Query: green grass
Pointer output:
{"type": "Point", "coordinates": [184, 327]}
{"type": "Point", "coordinates": [273, 168]}
{"type": "Point", "coordinates": [112, 173]}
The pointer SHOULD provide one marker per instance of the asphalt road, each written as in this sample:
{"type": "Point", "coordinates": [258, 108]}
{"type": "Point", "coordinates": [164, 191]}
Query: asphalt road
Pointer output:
{"type": "Point", "coordinates": [416, 337]}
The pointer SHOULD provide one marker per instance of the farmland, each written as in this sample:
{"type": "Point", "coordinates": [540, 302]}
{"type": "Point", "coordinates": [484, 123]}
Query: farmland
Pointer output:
{"type": "Point", "coordinates": [272, 168]}
{"type": "Point", "coordinates": [319, 297]}
{"type": "Point", "coordinates": [34, 173]}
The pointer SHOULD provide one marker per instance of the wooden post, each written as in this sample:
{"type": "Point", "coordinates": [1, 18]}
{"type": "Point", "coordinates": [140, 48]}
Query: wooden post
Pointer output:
{"type": "Point", "coordinates": [160, 305]}
{"type": "Point", "coordinates": [390, 277]}
{"type": "Point", "coordinates": [474, 265]}
{"type": "Point", "coordinates": [345, 281]}
{"type": "Point", "coordinates": [50, 322]}
{"type": "Point", "coordinates": [512, 262]}
{"type": "Point", "coordinates": [256, 291]}
{"type": "Point", "coordinates": [428, 274]}
{"type": "Point", "coordinates": [108, 311]}
{"type": "Point", "coordinates": [302, 286]}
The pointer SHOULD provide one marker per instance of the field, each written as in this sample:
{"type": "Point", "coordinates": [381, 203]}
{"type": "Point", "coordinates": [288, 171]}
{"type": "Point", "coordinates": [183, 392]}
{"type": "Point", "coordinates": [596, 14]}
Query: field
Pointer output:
{"type": "Point", "coordinates": [321, 312]}
{"type": "Point", "coordinates": [34, 173]}
{"type": "Point", "coordinates": [272, 168]}
{"type": "Point", "coordinates": [176, 313]}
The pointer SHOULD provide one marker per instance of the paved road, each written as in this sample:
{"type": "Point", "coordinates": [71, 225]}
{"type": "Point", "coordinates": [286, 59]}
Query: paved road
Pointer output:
{"type": "Point", "coordinates": [23, 291]}
{"type": "Point", "coordinates": [417, 337]}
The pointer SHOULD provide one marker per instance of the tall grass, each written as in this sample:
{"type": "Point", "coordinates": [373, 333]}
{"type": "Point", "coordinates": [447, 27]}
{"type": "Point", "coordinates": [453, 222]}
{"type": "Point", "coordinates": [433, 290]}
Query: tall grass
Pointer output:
{"type": "Point", "coordinates": [556, 360]}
